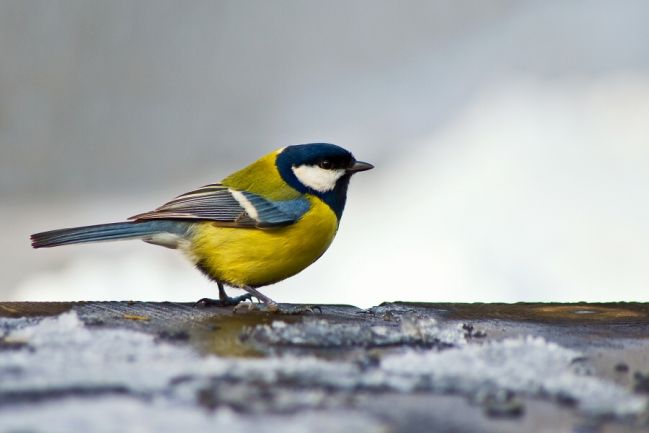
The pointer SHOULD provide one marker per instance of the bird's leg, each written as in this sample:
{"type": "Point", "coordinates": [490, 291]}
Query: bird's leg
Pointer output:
{"type": "Point", "coordinates": [224, 300]}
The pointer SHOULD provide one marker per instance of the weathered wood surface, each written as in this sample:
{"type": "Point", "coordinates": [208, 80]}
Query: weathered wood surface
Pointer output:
{"type": "Point", "coordinates": [137, 366]}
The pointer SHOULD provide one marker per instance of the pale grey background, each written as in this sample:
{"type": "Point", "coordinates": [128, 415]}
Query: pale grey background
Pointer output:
{"type": "Point", "coordinates": [511, 140]}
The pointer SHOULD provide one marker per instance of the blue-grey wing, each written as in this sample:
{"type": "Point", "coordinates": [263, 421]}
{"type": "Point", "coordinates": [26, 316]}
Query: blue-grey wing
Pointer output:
{"type": "Point", "coordinates": [229, 207]}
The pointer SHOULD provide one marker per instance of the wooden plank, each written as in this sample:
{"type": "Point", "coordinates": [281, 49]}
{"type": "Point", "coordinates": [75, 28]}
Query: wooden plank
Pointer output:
{"type": "Point", "coordinates": [607, 346]}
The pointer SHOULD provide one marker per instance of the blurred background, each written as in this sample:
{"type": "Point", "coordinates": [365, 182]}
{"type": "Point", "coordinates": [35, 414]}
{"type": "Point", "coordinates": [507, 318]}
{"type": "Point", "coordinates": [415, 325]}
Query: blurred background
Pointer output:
{"type": "Point", "coordinates": [510, 138]}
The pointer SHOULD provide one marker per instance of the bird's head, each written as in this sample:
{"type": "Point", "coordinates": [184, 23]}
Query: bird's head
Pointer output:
{"type": "Point", "coordinates": [320, 169]}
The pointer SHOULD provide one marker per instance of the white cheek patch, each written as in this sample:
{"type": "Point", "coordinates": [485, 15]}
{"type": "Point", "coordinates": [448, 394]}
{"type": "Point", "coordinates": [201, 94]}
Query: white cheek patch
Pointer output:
{"type": "Point", "coordinates": [317, 178]}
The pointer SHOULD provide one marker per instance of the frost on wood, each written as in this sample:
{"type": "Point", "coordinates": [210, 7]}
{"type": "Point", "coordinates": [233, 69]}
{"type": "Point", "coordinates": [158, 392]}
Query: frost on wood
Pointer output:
{"type": "Point", "coordinates": [98, 370]}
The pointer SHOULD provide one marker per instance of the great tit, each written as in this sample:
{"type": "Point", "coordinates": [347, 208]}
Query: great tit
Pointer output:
{"type": "Point", "coordinates": [260, 225]}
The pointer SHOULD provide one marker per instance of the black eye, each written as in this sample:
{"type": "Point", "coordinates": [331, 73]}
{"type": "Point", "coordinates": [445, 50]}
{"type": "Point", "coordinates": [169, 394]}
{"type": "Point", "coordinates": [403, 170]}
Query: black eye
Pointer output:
{"type": "Point", "coordinates": [325, 163]}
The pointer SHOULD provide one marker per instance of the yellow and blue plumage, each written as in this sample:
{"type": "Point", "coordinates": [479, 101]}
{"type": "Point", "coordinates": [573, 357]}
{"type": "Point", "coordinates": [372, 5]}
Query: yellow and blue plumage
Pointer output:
{"type": "Point", "coordinates": [256, 227]}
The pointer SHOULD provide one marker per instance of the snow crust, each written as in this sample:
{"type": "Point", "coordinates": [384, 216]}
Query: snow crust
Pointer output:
{"type": "Point", "coordinates": [134, 382]}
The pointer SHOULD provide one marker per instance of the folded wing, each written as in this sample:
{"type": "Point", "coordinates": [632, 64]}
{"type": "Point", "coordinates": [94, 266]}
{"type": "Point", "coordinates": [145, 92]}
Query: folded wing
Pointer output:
{"type": "Point", "coordinates": [229, 207]}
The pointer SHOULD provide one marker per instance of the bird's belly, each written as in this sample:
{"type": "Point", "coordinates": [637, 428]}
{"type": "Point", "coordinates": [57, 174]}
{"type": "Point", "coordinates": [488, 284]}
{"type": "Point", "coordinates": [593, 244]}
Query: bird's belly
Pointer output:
{"type": "Point", "coordinates": [256, 257]}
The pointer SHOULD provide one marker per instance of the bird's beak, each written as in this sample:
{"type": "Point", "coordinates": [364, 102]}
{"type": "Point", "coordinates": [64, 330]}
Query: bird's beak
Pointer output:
{"type": "Point", "coordinates": [360, 166]}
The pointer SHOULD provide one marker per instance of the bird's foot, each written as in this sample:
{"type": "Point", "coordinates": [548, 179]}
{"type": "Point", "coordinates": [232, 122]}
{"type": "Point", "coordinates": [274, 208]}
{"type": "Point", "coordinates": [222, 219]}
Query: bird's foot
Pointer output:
{"type": "Point", "coordinates": [256, 306]}
{"type": "Point", "coordinates": [226, 301]}
{"type": "Point", "coordinates": [271, 306]}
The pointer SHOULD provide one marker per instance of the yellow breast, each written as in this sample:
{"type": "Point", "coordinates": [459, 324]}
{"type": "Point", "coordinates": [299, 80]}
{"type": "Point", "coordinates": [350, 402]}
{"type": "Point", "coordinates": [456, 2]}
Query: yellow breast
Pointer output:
{"type": "Point", "coordinates": [255, 257]}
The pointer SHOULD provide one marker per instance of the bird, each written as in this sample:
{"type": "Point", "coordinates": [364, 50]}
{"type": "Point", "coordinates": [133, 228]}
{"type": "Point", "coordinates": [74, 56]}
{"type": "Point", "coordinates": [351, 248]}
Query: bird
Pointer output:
{"type": "Point", "coordinates": [258, 226]}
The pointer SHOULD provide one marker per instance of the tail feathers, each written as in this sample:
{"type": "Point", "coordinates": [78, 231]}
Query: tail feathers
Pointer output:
{"type": "Point", "coordinates": [106, 232]}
